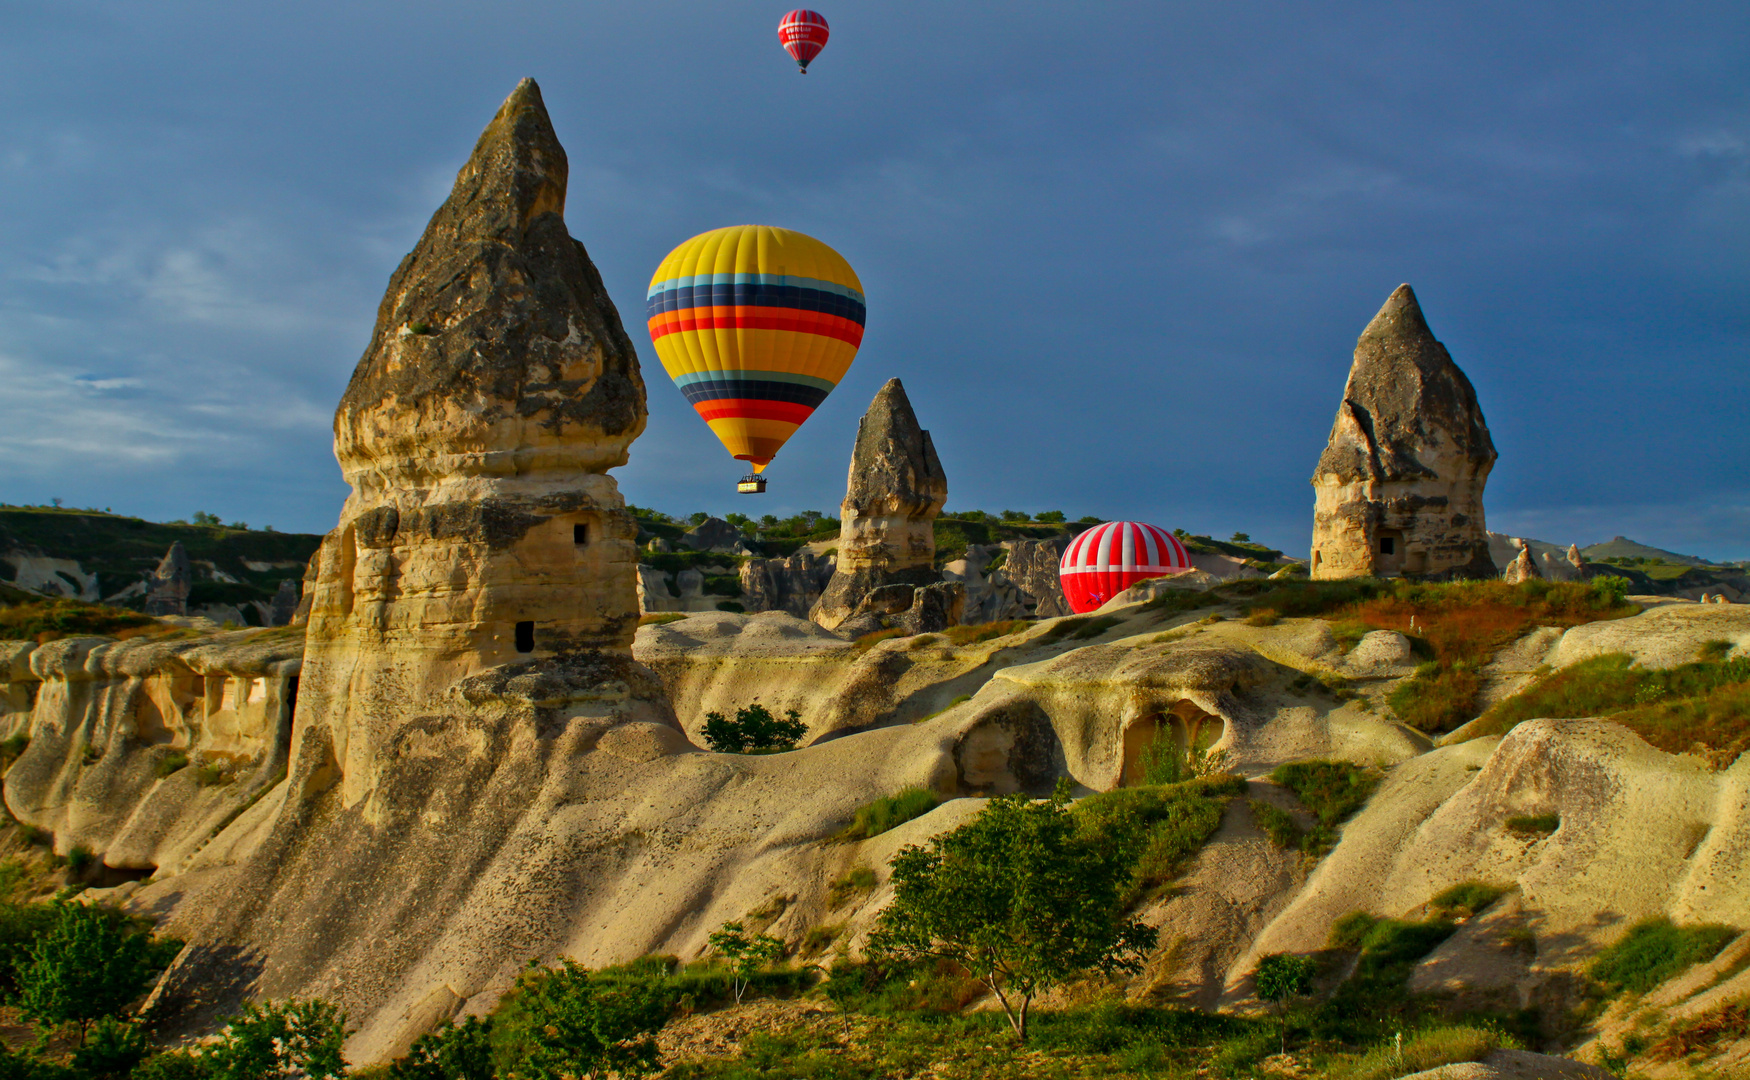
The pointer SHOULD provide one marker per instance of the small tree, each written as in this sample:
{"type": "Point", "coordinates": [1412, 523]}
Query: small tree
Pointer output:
{"type": "Point", "coordinates": [452, 1052]}
{"type": "Point", "coordinates": [754, 730]}
{"type": "Point", "coordinates": [91, 963]}
{"type": "Point", "coordinates": [112, 1051]}
{"type": "Point", "coordinates": [1020, 897]}
{"type": "Point", "coordinates": [574, 1023]}
{"type": "Point", "coordinates": [280, 1040]}
{"type": "Point", "coordinates": [1050, 517]}
{"type": "Point", "coordinates": [746, 953]}
{"type": "Point", "coordinates": [1240, 538]}
{"type": "Point", "coordinates": [1280, 978]}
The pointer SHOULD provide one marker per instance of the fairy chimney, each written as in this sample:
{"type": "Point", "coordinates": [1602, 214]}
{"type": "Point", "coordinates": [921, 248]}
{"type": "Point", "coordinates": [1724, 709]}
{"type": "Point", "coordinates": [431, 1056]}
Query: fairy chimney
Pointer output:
{"type": "Point", "coordinates": [894, 493]}
{"type": "Point", "coordinates": [1399, 488]}
{"type": "Point", "coordinates": [477, 431]}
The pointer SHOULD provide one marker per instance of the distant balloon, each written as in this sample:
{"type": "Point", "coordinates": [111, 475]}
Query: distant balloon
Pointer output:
{"type": "Point", "coordinates": [803, 34]}
{"type": "Point", "coordinates": [1107, 559]}
{"type": "Point", "coordinates": [756, 325]}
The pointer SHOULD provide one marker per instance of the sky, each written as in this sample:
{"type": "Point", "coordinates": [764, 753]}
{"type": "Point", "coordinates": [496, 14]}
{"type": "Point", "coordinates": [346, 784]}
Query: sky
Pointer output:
{"type": "Point", "coordinates": [1118, 253]}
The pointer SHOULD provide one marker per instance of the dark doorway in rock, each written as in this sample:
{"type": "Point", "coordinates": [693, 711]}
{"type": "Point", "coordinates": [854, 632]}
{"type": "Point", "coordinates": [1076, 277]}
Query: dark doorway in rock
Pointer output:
{"type": "Point", "coordinates": [525, 637]}
{"type": "Point", "coordinates": [580, 535]}
{"type": "Point", "coordinates": [1388, 559]}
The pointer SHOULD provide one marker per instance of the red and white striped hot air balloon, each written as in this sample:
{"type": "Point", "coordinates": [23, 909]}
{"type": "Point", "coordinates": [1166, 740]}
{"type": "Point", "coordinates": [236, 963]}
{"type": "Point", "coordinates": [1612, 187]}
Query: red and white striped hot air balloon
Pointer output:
{"type": "Point", "coordinates": [1107, 559]}
{"type": "Point", "coordinates": [803, 34]}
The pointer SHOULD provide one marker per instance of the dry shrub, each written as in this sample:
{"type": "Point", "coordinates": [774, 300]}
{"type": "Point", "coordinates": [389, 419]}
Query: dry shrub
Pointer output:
{"type": "Point", "coordinates": [1723, 1025]}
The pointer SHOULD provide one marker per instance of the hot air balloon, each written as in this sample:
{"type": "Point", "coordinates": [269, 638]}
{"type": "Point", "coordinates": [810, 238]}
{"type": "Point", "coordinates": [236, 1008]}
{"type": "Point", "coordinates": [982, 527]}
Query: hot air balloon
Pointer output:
{"type": "Point", "coordinates": [1107, 559]}
{"type": "Point", "coordinates": [803, 34]}
{"type": "Point", "coordinates": [756, 325]}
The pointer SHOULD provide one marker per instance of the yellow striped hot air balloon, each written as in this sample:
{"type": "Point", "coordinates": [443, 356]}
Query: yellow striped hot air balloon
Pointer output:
{"type": "Point", "coordinates": [756, 325]}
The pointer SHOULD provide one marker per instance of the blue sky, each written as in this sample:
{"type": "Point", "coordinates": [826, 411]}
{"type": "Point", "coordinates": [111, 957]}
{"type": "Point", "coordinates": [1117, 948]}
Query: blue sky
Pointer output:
{"type": "Point", "coordinates": [1118, 253]}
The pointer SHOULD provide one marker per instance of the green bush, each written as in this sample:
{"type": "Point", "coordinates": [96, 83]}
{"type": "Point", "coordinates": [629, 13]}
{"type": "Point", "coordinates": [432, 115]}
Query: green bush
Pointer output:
{"type": "Point", "coordinates": [80, 858]}
{"type": "Point", "coordinates": [274, 1040]}
{"type": "Point", "coordinates": [170, 763]}
{"type": "Point", "coordinates": [452, 1052]}
{"type": "Point", "coordinates": [568, 1021]}
{"type": "Point", "coordinates": [889, 812]}
{"type": "Point", "coordinates": [1654, 950]}
{"type": "Point", "coordinates": [857, 881]}
{"type": "Point", "coordinates": [1372, 1003]}
{"type": "Point", "coordinates": [112, 1049]}
{"type": "Point", "coordinates": [1466, 899]}
{"type": "Point", "coordinates": [753, 731]}
{"type": "Point", "coordinates": [1158, 829]}
{"type": "Point", "coordinates": [88, 963]}
{"type": "Point", "coordinates": [1279, 825]}
{"type": "Point", "coordinates": [209, 775]}
{"type": "Point", "coordinates": [1332, 790]}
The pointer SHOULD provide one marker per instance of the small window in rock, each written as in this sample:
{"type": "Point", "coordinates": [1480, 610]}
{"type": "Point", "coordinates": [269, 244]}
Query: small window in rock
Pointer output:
{"type": "Point", "coordinates": [580, 535]}
{"type": "Point", "coordinates": [525, 637]}
{"type": "Point", "coordinates": [1386, 545]}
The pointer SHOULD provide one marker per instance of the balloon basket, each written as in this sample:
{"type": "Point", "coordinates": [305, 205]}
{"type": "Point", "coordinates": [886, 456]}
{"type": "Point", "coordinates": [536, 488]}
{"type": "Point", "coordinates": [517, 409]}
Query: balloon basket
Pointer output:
{"type": "Point", "coordinates": [754, 484]}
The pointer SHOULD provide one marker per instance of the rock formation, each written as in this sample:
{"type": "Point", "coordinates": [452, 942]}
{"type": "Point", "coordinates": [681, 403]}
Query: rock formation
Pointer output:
{"type": "Point", "coordinates": [896, 489]}
{"type": "Point", "coordinates": [1399, 488]}
{"type": "Point", "coordinates": [712, 534]}
{"type": "Point", "coordinates": [1032, 566]}
{"type": "Point", "coordinates": [794, 584]}
{"type": "Point", "coordinates": [1522, 568]}
{"type": "Point", "coordinates": [285, 604]}
{"type": "Point", "coordinates": [169, 585]}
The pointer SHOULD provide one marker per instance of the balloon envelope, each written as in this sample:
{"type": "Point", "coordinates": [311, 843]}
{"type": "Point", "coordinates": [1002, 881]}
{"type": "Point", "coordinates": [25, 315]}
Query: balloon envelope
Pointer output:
{"type": "Point", "coordinates": [1107, 559]}
{"type": "Point", "coordinates": [803, 34]}
{"type": "Point", "coordinates": [756, 325]}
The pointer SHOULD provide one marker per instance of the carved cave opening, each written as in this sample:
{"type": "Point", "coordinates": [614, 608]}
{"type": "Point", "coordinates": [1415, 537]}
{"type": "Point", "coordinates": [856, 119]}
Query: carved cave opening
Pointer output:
{"type": "Point", "coordinates": [1389, 556]}
{"type": "Point", "coordinates": [1187, 725]}
{"type": "Point", "coordinates": [525, 637]}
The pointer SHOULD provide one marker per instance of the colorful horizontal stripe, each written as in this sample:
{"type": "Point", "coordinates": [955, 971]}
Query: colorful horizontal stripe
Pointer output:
{"type": "Point", "coordinates": [756, 325]}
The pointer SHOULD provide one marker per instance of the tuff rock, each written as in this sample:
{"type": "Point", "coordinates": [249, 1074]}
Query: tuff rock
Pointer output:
{"type": "Point", "coordinates": [169, 585]}
{"type": "Point", "coordinates": [1399, 487]}
{"type": "Point", "coordinates": [895, 490]}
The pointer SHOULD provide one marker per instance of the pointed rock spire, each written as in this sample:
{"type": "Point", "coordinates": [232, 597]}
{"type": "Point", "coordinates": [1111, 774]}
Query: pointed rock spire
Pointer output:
{"type": "Point", "coordinates": [895, 490]}
{"type": "Point", "coordinates": [496, 349]}
{"type": "Point", "coordinates": [1400, 483]}
{"type": "Point", "coordinates": [1406, 403]}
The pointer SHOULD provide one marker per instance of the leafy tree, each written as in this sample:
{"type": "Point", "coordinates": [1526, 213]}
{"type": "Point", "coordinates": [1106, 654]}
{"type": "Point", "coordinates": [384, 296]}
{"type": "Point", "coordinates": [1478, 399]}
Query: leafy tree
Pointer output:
{"type": "Point", "coordinates": [1015, 515]}
{"type": "Point", "coordinates": [746, 953]}
{"type": "Point", "coordinates": [280, 1039]}
{"type": "Point", "coordinates": [1020, 897]}
{"type": "Point", "coordinates": [452, 1052]}
{"type": "Point", "coordinates": [89, 964]}
{"type": "Point", "coordinates": [769, 521]}
{"type": "Point", "coordinates": [112, 1050]}
{"type": "Point", "coordinates": [570, 1022]}
{"type": "Point", "coordinates": [1281, 977]}
{"type": "Point", "coordinates": [174, 1065]}
{"type": "Point", "coordinates": [23, 1065]}
{"type": "Point", "coordinates": [699, 518]}
{"type": "Point", "coordinates": [1050, 517]}
{"type": "Point", "coordinates": [1240, 538]}
{"type": "Point", "coordinates": [201, 517]}
{"type": "Point", "coordinates": [754, 730]}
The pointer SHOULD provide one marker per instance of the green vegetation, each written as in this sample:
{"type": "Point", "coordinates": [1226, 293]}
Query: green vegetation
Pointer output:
{"type": "Point", "coordinates": [1534, 824]}
{"type": "Point", "coordinates": [1156, 829]}
{"type": "Point", "coordinates": [1278, 824]}
{"type": "Point", "coordinates": [972, 635]}
{"type": "Point", "coordinates": [1022, 897]}
{"type": "Point", "coordinates": [88, 964]}
{"type": "Point", "coordinates": [172, 762]}
{"type": "Point", "coordinates": [1446, 1044]}
{"type": "Point", "coordinates": [48, 620]}
{"type": "Point", "coordinates": [753, 731]}
{"type": "Point", "coordinates": [747, 954]}
{"type": "Point", "coordinates": [1332, 791]}
{"type": "Point", "coordinates": [890, 812]}
{"type": "Point", "coordinates": [1279, 979]}
{"type": "Point", "coordinates": [121, 550]}
{"type": "Point", "coordinates": [1653, 951]}
{"type": "Point", "coordinates": [1371, 1003]}
{"type": "Point", "coordinates": [858, 881]}
{"type": "Point", "coordinates": [1704, 704]}
{"type": "Point", "coordinates": [1466, 899]}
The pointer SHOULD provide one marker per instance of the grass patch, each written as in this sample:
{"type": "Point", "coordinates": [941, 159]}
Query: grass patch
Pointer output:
{"type": "Point", "coordinates": [858, 881]}
{"type": "Point", "coordinates": [1279, 825]}
{"type": "Point", "coordinates": [1716, 1028]}
{"type": "Point", "coordinates": [1466, 899]}
{"type": "Point", "coordinates": [872, 638]}
{"type": "Point", "coordinates": [1654, 950]}
{"type": "Point", "coordinates": [1439, 698]}
{"type": "Point", "coordinates": [49, 620]}
{"type": "Point", "coordinates": [1262, 616]}
{"type": "Point", "coordinates": [820, 938]}
{"type": "Point", "coordinates": [169, 763]}
{"type": "Point", "coordinates": [1162, 826]}
{"type": "Point", "coordinates": [1704, 705]}
{"type": "Point", "coordinates": [1713, 651]}
{"type": "Point", "coordinates": [973, 635]}
{"type": "Point", "coordinates": [1332, 791]}
{"type": "Point", "coordinates": [890, 812]}
{"type": "Point", "coordinates": [1534, 824]}
{"type": "Point", "coordinates": [658, 618]}
{"type": "Point", "coordinates": [1372, 1004]}
{"type": "Point", "coordinates": [1449, 1044]}
{"type": "Point", "coordinates": [209, 775]}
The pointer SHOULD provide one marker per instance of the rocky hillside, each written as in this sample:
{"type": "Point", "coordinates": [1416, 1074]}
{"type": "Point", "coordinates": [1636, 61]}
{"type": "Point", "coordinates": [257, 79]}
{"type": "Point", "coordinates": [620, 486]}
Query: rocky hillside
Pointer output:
{"type": "Point", "coordinates": [100, 557]}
